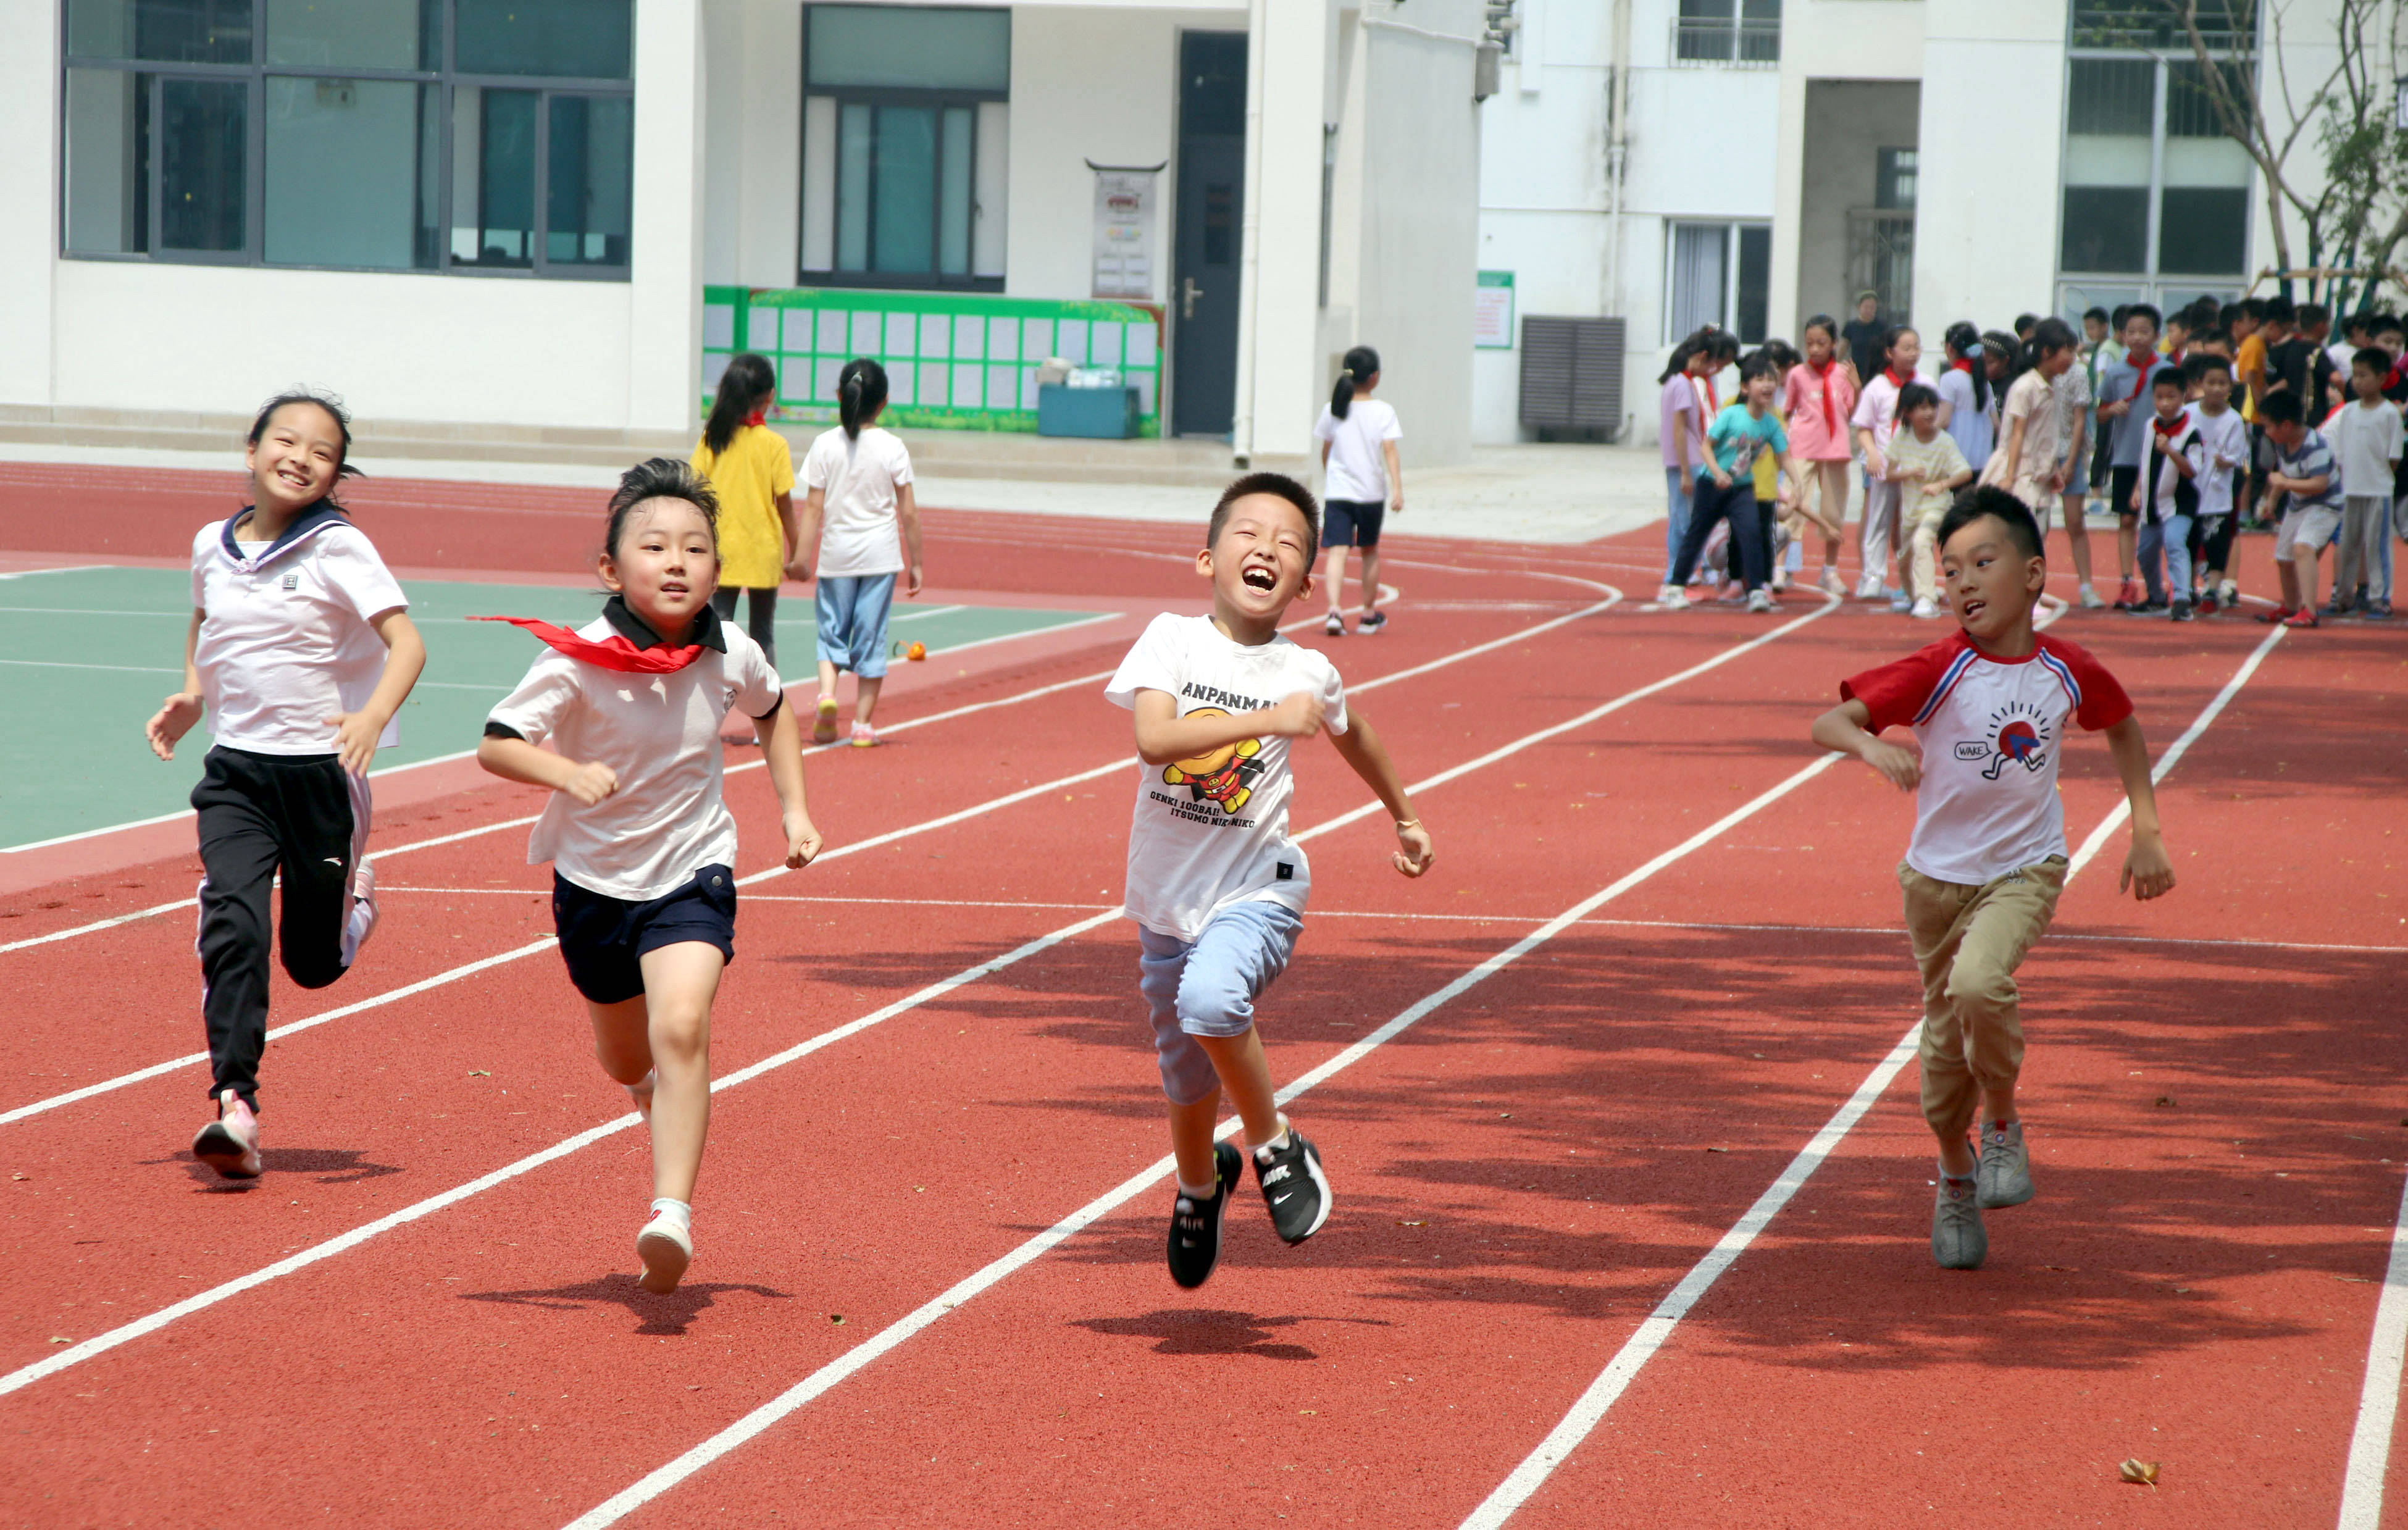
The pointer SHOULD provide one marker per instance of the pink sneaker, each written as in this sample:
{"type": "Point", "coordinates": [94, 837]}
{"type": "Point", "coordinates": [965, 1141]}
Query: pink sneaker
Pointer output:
{"type": "Point", "coordinates": [864, 736]}
{"type": "Point", "coordinates": [230, 1144]}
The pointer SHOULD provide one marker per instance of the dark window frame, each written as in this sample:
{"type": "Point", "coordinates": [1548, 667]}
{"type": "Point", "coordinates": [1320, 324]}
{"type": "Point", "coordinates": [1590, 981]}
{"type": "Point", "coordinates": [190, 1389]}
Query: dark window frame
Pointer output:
{"type": "Point", "coordinates": [935, 99]}
{"type": "Point", "coordinates": [255, 74]}
{"type": "Point", "coordinates": [2173, 96]}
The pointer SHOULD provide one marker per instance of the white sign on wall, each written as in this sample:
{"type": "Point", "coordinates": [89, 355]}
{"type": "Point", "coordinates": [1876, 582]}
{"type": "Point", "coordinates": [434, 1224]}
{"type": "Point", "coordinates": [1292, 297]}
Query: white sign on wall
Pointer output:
{"type": "Point", "coordinates": [1124, 258]}
{"type": "Point", "coordinates": [1492, 311]}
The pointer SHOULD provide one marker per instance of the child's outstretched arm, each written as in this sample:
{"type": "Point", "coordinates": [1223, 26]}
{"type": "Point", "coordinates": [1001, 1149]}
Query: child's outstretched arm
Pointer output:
{"type": "Point", "coordinates": [404, 660]}
{"type": "Point", "coordinates": [781, 744]}
{"type": "Point", "coordinates": [907, 512]}
{"type": "Point", "coordinates": [1361, 749]}
{"type": "Point", "coordinates": [178, 712]}
{"type": "Point", "coordinates": [1163, 735]}
{"type": "Point", "coordinates": [1843, 731]}
{"type": "Point", "coordinates": [516, 760]}
{"type": "Point", "coordinates": [2148, 871]}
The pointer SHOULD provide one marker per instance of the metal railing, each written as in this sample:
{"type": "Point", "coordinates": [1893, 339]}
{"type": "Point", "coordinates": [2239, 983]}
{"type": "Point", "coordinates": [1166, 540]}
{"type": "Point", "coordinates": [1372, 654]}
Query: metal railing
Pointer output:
{"type": "Point", "coordinates": [1753, 43]}
{"type": "Point", "coordinates": [1881, 256]}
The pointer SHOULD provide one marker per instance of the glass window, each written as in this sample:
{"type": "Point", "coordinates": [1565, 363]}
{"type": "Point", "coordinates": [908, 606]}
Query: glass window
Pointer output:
{"type": "Point", "coordinates": [909, 48]}
{"type": "Point", "coordinates": [355, 33]}
{"type": "Point", "coordinates": [903, 189]}
{"type": "Point", "coordinates": [2143, 137]}
{"type": "Point", "coordinates": [331, 132]}
{"type": "Point", "coordinates": [2106, 228]}
{"type": "Point", "coordinates": [161, 31]}
{"type": "Point", "coordinates": [1893, 179]}
{"type": "Point", "coordinates": [1752, 302]}
{"type": "Point", "coordinates": [582, 39]}
{"type": "Point", "coordinates": [2203, 230]}
{"type": "Point", "coordinates": [1727, 32]}
{"type": "Point", "coordinates": [1697, 276]}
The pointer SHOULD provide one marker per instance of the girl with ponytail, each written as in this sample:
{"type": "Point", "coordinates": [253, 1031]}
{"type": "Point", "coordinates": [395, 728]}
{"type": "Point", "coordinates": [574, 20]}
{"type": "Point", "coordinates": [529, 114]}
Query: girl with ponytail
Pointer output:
{"type": "Point", "coordinates": [1683, 431]}
{"type": "Point", "coordinates": [861, 520]}
{"type": "Point", "coordinates": [752, 469]}
{"type": "Point", "coordinates": [1876, 422]}
{"type": "Point", "coordinates": [1358, 436]}
{"type": "Point", "coordinates": [1821, 393]}
{"type": "Point", "coordinates": [1964, 389]}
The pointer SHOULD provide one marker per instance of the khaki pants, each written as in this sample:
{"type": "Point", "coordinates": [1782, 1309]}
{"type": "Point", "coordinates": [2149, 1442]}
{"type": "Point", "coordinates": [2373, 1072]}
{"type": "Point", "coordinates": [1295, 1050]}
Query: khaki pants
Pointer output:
{"type": "Point", "coordinates": [1968, 941]}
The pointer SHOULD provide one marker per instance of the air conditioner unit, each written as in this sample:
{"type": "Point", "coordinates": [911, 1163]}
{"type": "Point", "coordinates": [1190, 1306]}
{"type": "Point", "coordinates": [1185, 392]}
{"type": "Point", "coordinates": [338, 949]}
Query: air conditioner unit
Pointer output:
{"type": "Point", "coordinates": [1572, 378]}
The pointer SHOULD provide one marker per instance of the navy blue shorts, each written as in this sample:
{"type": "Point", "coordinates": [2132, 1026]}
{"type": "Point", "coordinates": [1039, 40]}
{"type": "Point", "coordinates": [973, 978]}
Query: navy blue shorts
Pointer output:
{"type": "Point", "coordinates": [1351, 523]}
{"type": "Point", "coordinates": [603, 938]}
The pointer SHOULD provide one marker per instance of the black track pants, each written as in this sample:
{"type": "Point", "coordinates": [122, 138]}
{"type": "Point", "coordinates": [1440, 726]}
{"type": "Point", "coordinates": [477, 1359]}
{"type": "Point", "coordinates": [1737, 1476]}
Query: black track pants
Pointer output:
{"type": "Point", "coordinates": [307, 817]}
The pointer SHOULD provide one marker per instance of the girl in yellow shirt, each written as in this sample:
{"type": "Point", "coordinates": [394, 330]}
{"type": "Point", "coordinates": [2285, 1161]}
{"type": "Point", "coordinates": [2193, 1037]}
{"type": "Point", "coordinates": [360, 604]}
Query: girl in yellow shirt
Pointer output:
{"type": "Point", "coordinates": [752, 470]}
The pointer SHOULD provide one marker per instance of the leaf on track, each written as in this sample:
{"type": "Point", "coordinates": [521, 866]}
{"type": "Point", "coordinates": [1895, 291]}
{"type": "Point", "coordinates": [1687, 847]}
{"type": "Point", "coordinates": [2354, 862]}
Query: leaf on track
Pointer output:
{"type": "Point", "coordinates": [2142, 1472]}
{"type": "Point", "coordinates": [479, 1073]}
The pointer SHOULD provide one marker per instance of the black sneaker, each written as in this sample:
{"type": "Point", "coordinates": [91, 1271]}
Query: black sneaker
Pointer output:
{"type": "Point", "coordinates": [1371, 621]}
{"type": "Point", "coordinates": [1196, 1227]}
{"type": "Point", "coordinates": [1292, 1182]}
{"type": "Point", "coordinates": [2150, 607]}
{"type": "Point", "coordinates": [2182, 611]}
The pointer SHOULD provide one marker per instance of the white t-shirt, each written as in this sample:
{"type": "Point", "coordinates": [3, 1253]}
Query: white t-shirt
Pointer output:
{"type": "Point", "coordinates": [1877, 408]}
{"type": "Point", "coordinates": [285, 641]}
{"type": "Point", "coordinates": [1213, 831]}
{"type": "Point", "coordinates": [660, 734]}
{"type": "Point", "coordinates": [860, 533]}
{"type": "Point", "coordinates": [1357, 472]}
{"type": "Point", "coordinates": [1990, 730]}
{"type": "Point", "coordinates": [2225, 440]}
{"type": "Point", "coordinates": [2366, 443]}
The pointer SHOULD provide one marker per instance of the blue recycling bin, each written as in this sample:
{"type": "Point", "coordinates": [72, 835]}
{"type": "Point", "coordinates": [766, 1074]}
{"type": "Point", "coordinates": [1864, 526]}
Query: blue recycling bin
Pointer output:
{"type": "Point", "coordinates": [1100, 414]}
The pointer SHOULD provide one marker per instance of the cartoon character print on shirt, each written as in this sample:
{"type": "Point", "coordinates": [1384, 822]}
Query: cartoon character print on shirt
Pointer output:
{"type": "Point", "coordinates": [2018, 735]}
{"type": "Point", "coordinates": [1220, 776]}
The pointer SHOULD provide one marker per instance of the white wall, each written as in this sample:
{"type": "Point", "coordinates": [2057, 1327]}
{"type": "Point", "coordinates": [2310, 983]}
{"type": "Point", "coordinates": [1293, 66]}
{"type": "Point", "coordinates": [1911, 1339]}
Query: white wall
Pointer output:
{"type": "Point", "coordinates": [662, 380]}
{"type": "Point", "coordinates": [753, 109]}
{"type": "Point", "coordinates": [29, 233]}
{"type": "Point", "coordinates": [1986, 242]}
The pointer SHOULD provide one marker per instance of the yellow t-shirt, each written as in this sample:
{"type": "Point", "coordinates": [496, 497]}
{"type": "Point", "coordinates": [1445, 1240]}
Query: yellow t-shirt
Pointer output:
{"type": "Point", "coordinates": [1768, 471]}
{"type": "Point", "coordinates": [2251, 357]}
{"type": "Point", "coordinates": [756, 468]}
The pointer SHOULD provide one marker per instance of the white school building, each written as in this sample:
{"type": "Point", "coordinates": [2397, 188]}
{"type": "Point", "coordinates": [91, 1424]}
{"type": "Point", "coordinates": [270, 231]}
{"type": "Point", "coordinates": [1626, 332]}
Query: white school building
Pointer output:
{"type": "Point", "coordinates": [552, 220]}
{"type": "Point", "coordinates": [1751, 162]}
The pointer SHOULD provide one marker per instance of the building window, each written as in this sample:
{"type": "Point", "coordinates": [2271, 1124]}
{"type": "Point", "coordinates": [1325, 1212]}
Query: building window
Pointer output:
{"type": "Point", "coordinates": [1893, 179]}
{"type": "Point", "coordinates": [370, 135]}
{"type": "Point", "coordinates": [906, 116]}
{"type": "Point", "coordinates": [2153, 187]}
{"type": "Point", "coordinates": [1718, 274]}
{"type": "Point", "coordinates": [1743, 33]}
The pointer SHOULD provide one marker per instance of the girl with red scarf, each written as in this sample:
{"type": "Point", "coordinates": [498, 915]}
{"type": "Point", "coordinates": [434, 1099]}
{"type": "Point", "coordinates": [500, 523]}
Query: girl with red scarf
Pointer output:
{"type": "Point", "coordinates": [1821, 393]}
{"type": "Point", "coordinates": [621, 719]}
{"type": "Point", "coordinates": [1875, 421]}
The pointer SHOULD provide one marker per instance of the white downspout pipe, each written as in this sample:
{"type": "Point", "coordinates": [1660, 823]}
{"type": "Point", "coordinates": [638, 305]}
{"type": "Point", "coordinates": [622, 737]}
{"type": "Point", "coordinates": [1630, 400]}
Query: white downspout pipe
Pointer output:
{"type": "Point", "coordinates": [1241, 427]}
{"type": "Point", "coordinates": [1617, 156]}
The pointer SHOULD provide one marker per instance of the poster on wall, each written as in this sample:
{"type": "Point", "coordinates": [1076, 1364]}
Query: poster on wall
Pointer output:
{"type": "Point", "coordinates": [1123, 258]}
{"type": "Point", "coordinates": [1492, 311]}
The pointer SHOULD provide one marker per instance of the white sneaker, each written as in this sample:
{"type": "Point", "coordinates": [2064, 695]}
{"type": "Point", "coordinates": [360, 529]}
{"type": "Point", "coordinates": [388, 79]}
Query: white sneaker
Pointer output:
{"type": "Point", "coordinates": [665, 1246]}
{"type": "Point", "coordinates": [230, 1144]}
{"type": "Point", "coordinates": [1759, 601]}
{"type": "Point", "coordinates": [2092, 600]}
{"type": "Point", "coordinates": [1869, 586]}
{"type": "Point", "coordinates": [364, 913]}
{"type": "Point", "coordinates": [1925, 608]}
{"type": "Point", "coordinates": [1673, 600]}
{"type": "Point", "coordinates": [1667, 594]}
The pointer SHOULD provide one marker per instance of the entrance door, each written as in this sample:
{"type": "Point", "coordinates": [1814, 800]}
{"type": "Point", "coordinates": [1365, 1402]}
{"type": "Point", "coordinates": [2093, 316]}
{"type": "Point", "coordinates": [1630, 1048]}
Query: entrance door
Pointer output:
{"type": "Point", "coordinates": [1211, 213]}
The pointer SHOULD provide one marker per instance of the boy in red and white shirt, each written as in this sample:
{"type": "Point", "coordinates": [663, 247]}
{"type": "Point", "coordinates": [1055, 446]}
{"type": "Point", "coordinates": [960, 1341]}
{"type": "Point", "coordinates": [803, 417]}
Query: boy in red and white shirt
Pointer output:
{"type": "Point", "coordinates": [1990, 706]}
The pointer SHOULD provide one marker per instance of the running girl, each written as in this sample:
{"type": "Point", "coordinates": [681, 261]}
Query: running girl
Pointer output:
{"type": "Point", "coordinates": [860, 483]}
{"type": "Point", "coordinates": [752, 470]}
{"type": "Point", "coordinates": [302, 645]}
{"type": "Point", "coordinates": [621, 721]}
{"type": "Point", "coordinates": [1821, 393]}
{"type": "Point", "coordinates": [1362, 482]}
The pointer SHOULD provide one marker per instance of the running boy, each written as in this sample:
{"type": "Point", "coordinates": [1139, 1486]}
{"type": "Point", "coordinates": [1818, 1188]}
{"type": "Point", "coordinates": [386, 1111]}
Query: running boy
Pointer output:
{"type": "Point", "coordinates": [2306, 473]}
{"type": "Point", "coordinates": [301, 644]}
{"type": "Point", "coordinates": [1216, 886]}
{"type": "Point", "coordinates": [1990, 706]}
{"type": "Point", "coordinates": [621, 721]}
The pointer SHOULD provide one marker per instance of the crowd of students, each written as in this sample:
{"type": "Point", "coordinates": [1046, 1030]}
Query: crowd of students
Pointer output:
{"type": "Point", "coordinates": [2184, 427]}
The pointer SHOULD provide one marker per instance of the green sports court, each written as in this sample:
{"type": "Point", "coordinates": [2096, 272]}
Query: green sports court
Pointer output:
{"type": "Point", "coordinates": [74, 757]}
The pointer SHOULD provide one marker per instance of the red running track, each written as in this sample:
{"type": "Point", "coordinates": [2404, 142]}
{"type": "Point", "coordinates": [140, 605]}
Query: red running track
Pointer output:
{"type": "Point", "coordinates": [1522, 1176]}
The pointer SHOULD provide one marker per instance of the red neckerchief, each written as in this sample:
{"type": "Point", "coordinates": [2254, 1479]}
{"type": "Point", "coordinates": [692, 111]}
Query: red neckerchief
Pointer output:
{"type": "Point", "coordinates": [2175, 357]}
{"type": "Point", "coordinates": [1895, 380]}
{"type": "Point", "coordinates": [2139, 360]}
{"type": "Point", "coordinates": [612, 652]}
{"type": "Point", "coordinates": [1962, 363]}
{"type": "Point", "coordinates": [757, 417]}
{"type": "Point", "coordinates": [2165, 427]}
{"type": "Point", "coordinates": [1831, 414]}
{"type": "Point", "coordinates": [1706, 381]}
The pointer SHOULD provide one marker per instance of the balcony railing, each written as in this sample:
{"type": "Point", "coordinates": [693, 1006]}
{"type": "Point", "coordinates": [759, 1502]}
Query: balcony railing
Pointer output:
{"type": "Point", "coordinates": [2227, 26]}
{"type": "Point", "coordinates": [1726, 43]}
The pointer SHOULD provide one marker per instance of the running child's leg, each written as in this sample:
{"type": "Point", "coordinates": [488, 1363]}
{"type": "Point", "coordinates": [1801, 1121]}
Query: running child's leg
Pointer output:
{"type": "Point", "coordinates": [1337, 581]}
{"type": "Point", "coordinates": [240, 850]}
{"type": "Point", "coordinates": [873, 601]}
{"type": "Point", "coordinates": [832, 613]}
{"type": "Point", "coordinates": [328, 903]}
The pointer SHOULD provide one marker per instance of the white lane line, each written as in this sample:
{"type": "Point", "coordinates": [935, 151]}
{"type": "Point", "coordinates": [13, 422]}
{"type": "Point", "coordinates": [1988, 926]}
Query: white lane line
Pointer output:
{"type": "Point", "coordinates": [64, 568]}
{"type": "Point", "coordinates": [893, 1337]}
{"type": "Point", "coordinates": [151, 1322]}
{"type": "Point", "coordinates": [1590, 1407]}
{"type": "Point", "coordinates": [838, 853]}
{"type": "Point", "coordinates": [2378, 1401]}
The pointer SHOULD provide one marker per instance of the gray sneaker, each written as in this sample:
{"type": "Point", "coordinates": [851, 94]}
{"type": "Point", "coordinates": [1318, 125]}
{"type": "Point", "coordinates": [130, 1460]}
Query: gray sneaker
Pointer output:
{"type": "Point", "coordinates": [1957, 1240]}
{"type": "Point", "coordinates": [2005, 1172]}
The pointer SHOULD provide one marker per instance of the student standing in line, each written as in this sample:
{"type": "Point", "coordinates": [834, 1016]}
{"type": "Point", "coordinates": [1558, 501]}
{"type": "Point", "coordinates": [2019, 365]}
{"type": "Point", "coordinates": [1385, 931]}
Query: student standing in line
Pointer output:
{"type": "Point", "coordinates": [1991, 706]}
{"type": "Point", "coordinates": [1875, 422]}
{"type": "Point", "coordinates": [1822, 394]}
{"type": "Point", "coordinates": [302, 649]}
{"type": "Point", "coordinates": [2357, 334]}
{"type": "Point", "coordinates": [2225, 440]}
{"type": "Point", "coordinates": [1964, 393]}
{"type": "Point", "coordinates": [621, 721]}
{"type": "Point", "coordinates": [2124, 409]}
{"type": "Point", "coordinates": [2258, 379]}
{"type": "Point", "coordinates": [2308, 476]}
{"type": "Point", "coordinates": [1683, 432]}
{"type": "Point", "coordinates": [2305, 366]}
{"type": "Point", "coordinates": [860, 506]}
{"type": "Point", "coordinates": [2074, 395]}
{"type": "Point", "coordinates": [752, 469]}
{"type": "Point", "coordinates": [1745, 428]}
{"type": "Point", "coordinates": [1216, 885]}
{"type": "Point", "coordinates": [2099, 329]}
{"type": "Point", "coordinates": [2171, 465]}
{"type": "Point", "coordinates": [2367, 440]}
{"type": "Point", "coordinates": [1928, 468]}
{"type": "Point", "coordinates": [1358, 436]}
